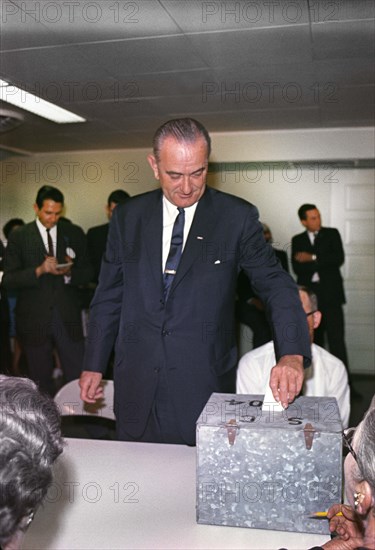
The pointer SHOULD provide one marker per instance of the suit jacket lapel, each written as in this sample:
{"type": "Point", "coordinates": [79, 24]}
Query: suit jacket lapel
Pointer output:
{"type": "Point", "coordinates": [308, 246]}
{"type": "Point", "coordinates": [153, 238]}
{"type": "Point", "coordinates": [36, 243]}
{"type": "Point", "coordinates": [61, 245]}
{"type": "Point", "coordinates": [199, 235]}
{"type": "Point", "coordinates": [64, 241]}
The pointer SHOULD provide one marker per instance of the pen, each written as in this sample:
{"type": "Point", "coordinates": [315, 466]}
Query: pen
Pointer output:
{"type": "Point", "coordinates": [323, 514]}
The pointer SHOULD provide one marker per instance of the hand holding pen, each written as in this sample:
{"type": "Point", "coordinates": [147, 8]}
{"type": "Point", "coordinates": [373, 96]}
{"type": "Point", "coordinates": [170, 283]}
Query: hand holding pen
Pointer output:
{"type": "Point", "coordinates": [346, 523]}
{"type": "Point", "coordinates": [51, 266]}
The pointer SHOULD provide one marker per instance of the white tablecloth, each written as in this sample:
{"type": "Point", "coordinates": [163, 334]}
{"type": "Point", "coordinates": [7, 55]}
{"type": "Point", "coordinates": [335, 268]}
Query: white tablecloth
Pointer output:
{"type": "Point", "coordinates": [117, 495]}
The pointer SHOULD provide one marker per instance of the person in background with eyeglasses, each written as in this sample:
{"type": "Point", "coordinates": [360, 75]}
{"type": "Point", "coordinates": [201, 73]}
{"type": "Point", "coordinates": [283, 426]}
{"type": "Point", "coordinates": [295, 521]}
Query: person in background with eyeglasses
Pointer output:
{"type": "Point", "coordinates": [30, 442]}
{"type": "Point", "coordinates": [355, 527]}
{"type": "Point", "coordinates": [326, 376]}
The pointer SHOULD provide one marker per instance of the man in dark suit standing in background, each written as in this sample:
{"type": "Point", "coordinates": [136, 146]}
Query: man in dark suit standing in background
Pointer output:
{"type": "Point", "coordinates": [97, 236]}
{"type": "Point", "coordinates": [45, 262]}
{"type": "Point", "coordinates": [166, 296]}
{"type": "Point", "coordinates": [317, 255]}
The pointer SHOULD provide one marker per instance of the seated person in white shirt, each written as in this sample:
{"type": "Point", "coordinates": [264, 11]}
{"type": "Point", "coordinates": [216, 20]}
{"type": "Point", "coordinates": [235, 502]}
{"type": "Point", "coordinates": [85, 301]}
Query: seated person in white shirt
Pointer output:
{"type": "Point", "coordinates": [326, 376]}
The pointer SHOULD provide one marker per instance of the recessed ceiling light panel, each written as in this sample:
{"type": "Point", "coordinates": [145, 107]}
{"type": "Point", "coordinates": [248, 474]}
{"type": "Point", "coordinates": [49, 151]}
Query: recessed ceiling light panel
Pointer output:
{"type": "Point", "coordinates": [36, 105]}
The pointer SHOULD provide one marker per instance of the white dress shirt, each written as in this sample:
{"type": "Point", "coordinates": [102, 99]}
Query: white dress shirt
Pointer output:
{"type": "Point", "coordinates": [312, 236]}
{"type": "Point", "coordinates": [53, 233]}
{"type": "Point", "coordinates": [170, 214]}
{"type": "Point", "coordinates": [326, 376]}
{"type": "Point", "coordinates": [43, 233]}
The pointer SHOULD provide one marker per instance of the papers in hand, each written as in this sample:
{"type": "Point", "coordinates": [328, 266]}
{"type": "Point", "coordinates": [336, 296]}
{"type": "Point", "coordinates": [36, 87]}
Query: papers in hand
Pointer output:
{"type": "Point", "coordinates": [269, 402]}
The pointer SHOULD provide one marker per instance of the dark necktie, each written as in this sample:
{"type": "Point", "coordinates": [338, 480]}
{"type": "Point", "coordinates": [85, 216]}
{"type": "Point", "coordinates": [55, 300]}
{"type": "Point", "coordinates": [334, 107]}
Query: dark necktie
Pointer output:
{"type": "Point", "coordinates": [50, 243]}
{"type": "Point", "coordinates": [175, 251]}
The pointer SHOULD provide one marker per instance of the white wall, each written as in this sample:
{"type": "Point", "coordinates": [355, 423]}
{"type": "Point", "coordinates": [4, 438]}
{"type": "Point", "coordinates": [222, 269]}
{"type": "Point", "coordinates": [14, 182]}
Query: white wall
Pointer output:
{"type": "Point", "coordinates": [87, 178]}
{"type": "Point", "coordinates": [317, 144]}
{"type": "Point", "coordinates": [278, 194]}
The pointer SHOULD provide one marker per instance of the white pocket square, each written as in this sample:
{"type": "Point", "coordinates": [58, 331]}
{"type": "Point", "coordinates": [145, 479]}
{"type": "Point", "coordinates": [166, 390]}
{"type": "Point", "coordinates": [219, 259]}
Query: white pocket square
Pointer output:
{"type": "Point", "coordinates": [217, 262]}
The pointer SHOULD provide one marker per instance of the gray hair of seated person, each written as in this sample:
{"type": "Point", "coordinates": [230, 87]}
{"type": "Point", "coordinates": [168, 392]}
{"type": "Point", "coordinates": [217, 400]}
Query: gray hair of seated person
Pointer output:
{"type": "Point", "coordinates": [365, 448]}
{"type": "Point", "coordinates": [30, 442]}
{"type": "Point", "coordinates": [311, 295]}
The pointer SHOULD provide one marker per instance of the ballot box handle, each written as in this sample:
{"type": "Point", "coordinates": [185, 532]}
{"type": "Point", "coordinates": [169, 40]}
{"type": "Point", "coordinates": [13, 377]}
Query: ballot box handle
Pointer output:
{"type": "Point", "coordinates": [309, 432]}
{"type": "Point", "coordinates": [232, 429]}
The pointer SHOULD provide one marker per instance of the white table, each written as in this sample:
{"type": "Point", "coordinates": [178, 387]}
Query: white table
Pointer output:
{"type": "Point", "coordinates": [116, 495]}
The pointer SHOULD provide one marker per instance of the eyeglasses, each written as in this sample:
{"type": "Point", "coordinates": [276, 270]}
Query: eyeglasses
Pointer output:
{"type": "Point", "coordinates": [347, 436]}
{"type": "Point", "coordinates": [311, 312]}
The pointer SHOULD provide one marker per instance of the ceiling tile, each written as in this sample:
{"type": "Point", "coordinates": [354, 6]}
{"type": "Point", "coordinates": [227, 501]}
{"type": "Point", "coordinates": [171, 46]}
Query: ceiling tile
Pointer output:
{"type": "Point", "coordinates": [257, 46]}
{"type": "Point", "coordinates": [44, 23]}
{"type": "Point", "coordinates": [342, 40]}
{"type": "Point", "coordinates": [130, 66]}
{"type": "Point", "coordinates": [197, 16]}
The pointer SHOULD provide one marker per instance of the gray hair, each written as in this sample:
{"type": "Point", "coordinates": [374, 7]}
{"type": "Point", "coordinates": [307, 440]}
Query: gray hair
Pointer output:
{"type": "Point", "coordinates": [365, 448]}
{"type": "Point", "coordinates": [30, 441]}
{"type": "Point", "coordinates": [184, 130]}
{"type": "Point", "coordinates": [312, 296]}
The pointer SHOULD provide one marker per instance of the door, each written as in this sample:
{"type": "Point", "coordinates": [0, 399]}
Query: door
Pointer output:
{"type": "Point", "coordinates": [352, 213]}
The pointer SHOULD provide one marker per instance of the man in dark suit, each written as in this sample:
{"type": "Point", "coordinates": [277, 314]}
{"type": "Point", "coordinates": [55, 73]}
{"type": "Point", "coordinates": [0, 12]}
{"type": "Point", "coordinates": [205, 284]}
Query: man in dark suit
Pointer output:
{"type": "Point", "coordinates": [173, 322]}
{"type": "Point", "coordinates": [317, 255]}
{"type": "Point", "coordinates": [45, 262]}
{"type": "Point", "coordinates": [97, 236]}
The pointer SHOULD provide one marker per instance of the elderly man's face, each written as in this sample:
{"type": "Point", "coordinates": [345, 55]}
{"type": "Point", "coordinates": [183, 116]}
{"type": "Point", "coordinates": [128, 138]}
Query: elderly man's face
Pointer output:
{"type": "Point", "coordinates": [181, 170]}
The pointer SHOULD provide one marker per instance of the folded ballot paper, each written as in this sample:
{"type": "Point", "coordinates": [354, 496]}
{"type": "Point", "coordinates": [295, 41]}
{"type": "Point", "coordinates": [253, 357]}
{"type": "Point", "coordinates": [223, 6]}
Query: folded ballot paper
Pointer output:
{"type": "Point", "coordinates": [270, 403]}
{"type": "Point", "coordinates": [263, 467]}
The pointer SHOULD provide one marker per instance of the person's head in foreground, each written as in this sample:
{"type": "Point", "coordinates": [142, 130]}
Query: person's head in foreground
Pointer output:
{"type": "Point", "coordinates": [30, 442]}
{"type": "Point", "coordinates": [356, 526]}
{"type": "Point", "coordinates": [360, 473]}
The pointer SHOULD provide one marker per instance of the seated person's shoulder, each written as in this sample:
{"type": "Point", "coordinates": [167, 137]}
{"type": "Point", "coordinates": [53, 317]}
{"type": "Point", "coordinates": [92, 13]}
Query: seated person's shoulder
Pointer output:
{"type": "Point", "coordinates": [334, 365]}
{"type": "Point", "coordinates": [258, 353]}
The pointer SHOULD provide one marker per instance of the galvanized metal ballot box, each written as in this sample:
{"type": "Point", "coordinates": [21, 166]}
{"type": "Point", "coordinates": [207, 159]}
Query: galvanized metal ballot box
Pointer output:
{"type": "Point", "coordinates": [263, 469]}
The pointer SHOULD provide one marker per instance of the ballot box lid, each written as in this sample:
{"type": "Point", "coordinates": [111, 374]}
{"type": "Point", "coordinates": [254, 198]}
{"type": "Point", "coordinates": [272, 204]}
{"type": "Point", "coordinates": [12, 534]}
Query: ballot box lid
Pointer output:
{"type": "Point", "coordinates": [249, 412]}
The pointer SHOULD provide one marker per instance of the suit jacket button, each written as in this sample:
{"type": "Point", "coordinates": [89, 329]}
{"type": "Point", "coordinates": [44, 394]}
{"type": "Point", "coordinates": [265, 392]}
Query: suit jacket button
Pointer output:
{"type": "Point", "coordinates": [156, 370]}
